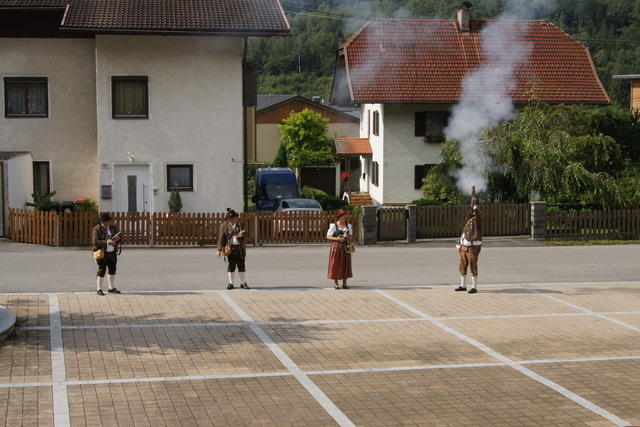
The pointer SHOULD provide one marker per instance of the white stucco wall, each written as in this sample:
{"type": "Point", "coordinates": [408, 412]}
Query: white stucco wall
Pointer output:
{"type": "Point", "coordinates": [195, 115]}
{"type": "Point", "coordinates": [403, 151]}
{"type": "Point", "coordinates": [366, 131]}
{"type": "Point", "coordinates": [67, 138]}
{"type": "Point", "coordinates": [268, 137]}
{"type": "Point", "coordinates": [19, 181]}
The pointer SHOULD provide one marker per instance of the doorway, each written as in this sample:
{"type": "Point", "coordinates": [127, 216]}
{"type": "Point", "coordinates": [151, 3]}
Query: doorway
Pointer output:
{"type": "Point", "coordinates": [131, 184]}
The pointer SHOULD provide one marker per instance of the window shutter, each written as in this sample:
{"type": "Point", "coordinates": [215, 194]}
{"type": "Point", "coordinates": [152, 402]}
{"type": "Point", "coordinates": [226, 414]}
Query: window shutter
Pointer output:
{"type": "Point", "coordinates": [420, 124]}
{"type": "Point", "coordinates": [419, 174]}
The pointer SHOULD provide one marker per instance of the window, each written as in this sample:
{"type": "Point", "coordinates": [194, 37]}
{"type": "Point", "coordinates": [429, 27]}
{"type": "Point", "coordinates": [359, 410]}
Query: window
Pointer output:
{"type": "Point", "coordinates": [180, 177]}
{"type": "Point", "coordinates": [420, 172]}
{"type": "Point", "coordinates": [431, 125]}
{"type": "Point", "coordinates": [41, 182]}
{"type": "Point", "coordinates": [376, 123]}
{"type": "Point", "coordinates": [26, 97]}
{"type": "Point", "coordinates": [130, 97]}
{"type": "Point", "coordinates": [375, 173]}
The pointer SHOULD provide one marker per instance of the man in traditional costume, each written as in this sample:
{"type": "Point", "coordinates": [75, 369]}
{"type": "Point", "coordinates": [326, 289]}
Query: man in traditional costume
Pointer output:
{"type": "Point", "coordinates": [232, 243]}
{"type": "Point", "coordinates": [470, 245]}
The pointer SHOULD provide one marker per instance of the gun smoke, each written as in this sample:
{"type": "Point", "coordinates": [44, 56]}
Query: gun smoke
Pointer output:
{"type": "Point", "coordinates": [486, 99]}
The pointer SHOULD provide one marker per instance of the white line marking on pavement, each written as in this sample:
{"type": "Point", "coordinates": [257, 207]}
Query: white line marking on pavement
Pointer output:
{"type": "Point", "coordinates": [321, 372]}
{"type": "Point", "coordinates": [58, 372]}
{"type": "Point", "coordinates": [526, 371]}
{"type": "Point", "coordinates": [353, 287]}
{"type": "Point", "coordinates": [315, 391]}
{"type": "Point", "coordinates": [584, 310]}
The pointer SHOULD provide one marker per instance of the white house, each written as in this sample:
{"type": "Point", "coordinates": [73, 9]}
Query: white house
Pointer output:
{"type": "Point", "coordinates": [406, 74]}
{"type": "Point", "coordinates": [124, 101]}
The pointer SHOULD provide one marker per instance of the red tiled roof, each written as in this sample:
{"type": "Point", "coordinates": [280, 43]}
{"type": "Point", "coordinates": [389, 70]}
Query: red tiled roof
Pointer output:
{"type": "Point", "coordinates": [351, 146]}
{"type": "Point", "coordinates": [166, 16]}
{"type": "Point", "coordinates": [425, 61]}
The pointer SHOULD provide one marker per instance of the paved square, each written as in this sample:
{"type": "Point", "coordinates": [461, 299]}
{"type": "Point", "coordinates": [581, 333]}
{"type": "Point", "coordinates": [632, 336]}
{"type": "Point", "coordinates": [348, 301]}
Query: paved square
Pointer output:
{"type": "Point", "coordinates": [613, 385]}
{"type": "Point", "coordinates": [26, 406]}
{"type": "Point", "coordinates": [372, 345]}
{"type": "Point", "coordinates": [552, 337]}
{"type": "Point", "coordinates": [141, 309]}
{"type": "Point", "coordinates": [30, 310]}
{"type": "Point", "coordinates": [489, 396]}
{"type": "Point", "coordinates": [256, 401]}
{"type": "Point", "coordinates": [318, 305]}
{"type": "Point", "coordinates": [563, 355]}
{"type": "Point", "coordinates": [92, 354]}
{"type": "Point", "coordinates": [25, 357]}
{"type": "Point", "coordinates": [492, 301]}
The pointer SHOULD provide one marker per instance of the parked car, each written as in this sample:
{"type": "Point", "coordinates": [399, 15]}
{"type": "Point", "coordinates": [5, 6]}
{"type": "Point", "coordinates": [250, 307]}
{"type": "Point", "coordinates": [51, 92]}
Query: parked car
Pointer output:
{"type": "Point", "coordinates": [286, 205]}
{"type": "Point", "coordinates": [286, 220]}
{"type": "Point", "coordinates": [273, 184]}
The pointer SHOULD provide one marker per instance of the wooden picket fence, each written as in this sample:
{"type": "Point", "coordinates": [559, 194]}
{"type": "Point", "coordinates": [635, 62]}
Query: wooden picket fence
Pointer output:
{"type": "Point", "coordinates": [598, 224]}
{"type": "Point", "coordinates": [506, 219]}
{"type": "Point", "coordinates": [171, 229]}
{"type": "Point", "coordinates": [392, 223]}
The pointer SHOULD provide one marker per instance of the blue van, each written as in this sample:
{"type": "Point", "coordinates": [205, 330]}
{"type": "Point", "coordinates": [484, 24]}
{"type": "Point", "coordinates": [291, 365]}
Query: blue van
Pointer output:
{"type": "Point", "coordinates": [273, 184]}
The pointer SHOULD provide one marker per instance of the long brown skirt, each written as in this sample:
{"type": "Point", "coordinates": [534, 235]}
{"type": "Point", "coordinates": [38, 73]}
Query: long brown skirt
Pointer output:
{"type": "Point", "coordinates": [339, 262]}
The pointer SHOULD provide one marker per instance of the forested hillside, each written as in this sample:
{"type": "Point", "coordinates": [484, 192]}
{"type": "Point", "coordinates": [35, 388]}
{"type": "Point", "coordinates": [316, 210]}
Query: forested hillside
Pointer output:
{"type": "Point", "coordinates": [303, 63]}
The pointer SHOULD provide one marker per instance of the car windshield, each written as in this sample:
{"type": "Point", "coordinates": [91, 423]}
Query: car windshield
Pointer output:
{"type": "Point", "coordinates": [301, 204]}
{"type": "Point", "coordinates": [281, 191]}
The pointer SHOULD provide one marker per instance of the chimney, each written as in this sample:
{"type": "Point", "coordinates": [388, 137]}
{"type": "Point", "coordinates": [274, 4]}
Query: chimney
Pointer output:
{"type": "Point", "coordinates": [463, 16]}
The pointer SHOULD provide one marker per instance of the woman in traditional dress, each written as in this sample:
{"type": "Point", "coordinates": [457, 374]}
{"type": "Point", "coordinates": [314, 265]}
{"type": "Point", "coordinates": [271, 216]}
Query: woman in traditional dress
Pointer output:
{"type": "Point", "coordinates": [341, 234]}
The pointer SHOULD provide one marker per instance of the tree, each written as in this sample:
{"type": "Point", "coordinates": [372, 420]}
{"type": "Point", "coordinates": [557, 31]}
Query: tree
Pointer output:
{"type": "Point", "coordinates": [554, 153]}
{"type": "Point", "coordinates": [304, 136]}
{"type": "Point", "coordinates": [175, 201]}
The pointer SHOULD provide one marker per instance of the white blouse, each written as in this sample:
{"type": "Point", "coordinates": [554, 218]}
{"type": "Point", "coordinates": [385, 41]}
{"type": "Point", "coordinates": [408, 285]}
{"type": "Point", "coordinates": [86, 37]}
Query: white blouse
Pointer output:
{"type": "Point", "coordinates": [333, 227]}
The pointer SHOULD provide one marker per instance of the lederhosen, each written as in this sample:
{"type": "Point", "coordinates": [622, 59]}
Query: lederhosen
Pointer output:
{"type": "Point", "coordinates": [109, 262]}
{"type": "Point", "coordinates": [236, 259]}
{"type": "Point", "coordinates": [470, 251]}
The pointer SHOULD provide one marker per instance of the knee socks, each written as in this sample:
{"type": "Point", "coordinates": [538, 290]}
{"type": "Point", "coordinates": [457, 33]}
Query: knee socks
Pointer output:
{"type": "Point", "coordinates": [99, 282]}
{"type": "Point", "coordinates": [242, 277]}
{"type": "Point", "coordinates": [474, 281]}
{"type": "Point", "coordinates": [232, 275]}
{"type": "Point", "coordinates": [463, 281]}
{"type": "Point", "coordinates": [112, 281]}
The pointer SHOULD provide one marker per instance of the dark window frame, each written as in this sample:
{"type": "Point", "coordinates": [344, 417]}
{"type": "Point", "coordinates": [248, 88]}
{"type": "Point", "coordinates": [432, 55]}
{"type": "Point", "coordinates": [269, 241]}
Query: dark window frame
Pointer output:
{"type": "Point", "coordinates": [375, 173]}
{"type": "Point", "coordinates": [38, 163]}
{"type": "Point", "coordinates": [28, 80]}
{"type": "Point", "coordinates": [421, 125]}
{"type": "Point", "coordinates": [421, 170]}
{"type": "Point", "coordinates": [376, 123]}
{"type": "Point", "coordinates": [177, 165]}
{"type": "Point", "coordinates": [114, 80]}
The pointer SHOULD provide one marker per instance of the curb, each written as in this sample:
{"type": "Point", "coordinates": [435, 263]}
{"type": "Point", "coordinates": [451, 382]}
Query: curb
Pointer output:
{"type": "Point", "coordinates": [7, 323]}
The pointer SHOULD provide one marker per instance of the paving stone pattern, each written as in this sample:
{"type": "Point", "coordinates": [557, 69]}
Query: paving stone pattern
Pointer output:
{"type": "Point", "coordinates": [507, 356]}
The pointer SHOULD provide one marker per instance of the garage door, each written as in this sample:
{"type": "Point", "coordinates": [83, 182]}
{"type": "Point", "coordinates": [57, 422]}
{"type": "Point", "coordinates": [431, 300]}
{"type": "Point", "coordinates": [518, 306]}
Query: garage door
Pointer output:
{"type": "Point", "coordinates": [321, 178]}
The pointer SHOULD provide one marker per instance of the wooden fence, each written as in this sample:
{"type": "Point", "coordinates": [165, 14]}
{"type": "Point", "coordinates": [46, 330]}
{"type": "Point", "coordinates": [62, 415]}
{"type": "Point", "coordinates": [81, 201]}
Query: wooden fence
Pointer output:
{"type": "Point", "coordinates": [497, 220]}
{"type": "Point", "coordinates": [171, 229]}
{"type": "Point", "coordinates": [602, 224]}
{"type": "Point", "coordinates": [392, 223]}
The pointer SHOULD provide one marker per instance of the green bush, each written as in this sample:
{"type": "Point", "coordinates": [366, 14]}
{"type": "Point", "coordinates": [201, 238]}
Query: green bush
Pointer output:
{"type": "Point", "coordinates": [42, 203]}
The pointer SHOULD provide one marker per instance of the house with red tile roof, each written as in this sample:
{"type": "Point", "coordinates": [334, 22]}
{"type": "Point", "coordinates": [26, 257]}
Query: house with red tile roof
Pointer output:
{"type": "Point", "coordinates": [123, 101]}
{"type": "Point", "coordinates": [407, 74]}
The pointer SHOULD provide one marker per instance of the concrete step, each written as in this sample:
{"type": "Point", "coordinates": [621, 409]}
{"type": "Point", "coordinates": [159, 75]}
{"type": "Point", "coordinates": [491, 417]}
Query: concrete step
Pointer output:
{"type": "Point", "coordinates": [7, 323]}
{"type": "Point", "coordinates": [361, 199]}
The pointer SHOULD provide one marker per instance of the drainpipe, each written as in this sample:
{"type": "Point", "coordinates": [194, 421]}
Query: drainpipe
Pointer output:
{"type": "Point", "coordinates": [244, 127]}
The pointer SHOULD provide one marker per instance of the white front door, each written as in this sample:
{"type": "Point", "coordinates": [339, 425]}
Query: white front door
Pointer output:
{"type": "Point", "coordinates": [131, 188]}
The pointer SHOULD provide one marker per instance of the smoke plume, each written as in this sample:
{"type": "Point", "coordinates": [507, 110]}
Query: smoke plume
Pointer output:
{"type": "Point", "coordinates": [486, 99]}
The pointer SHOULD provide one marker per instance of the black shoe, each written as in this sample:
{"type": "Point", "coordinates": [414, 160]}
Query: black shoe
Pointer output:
{"type": "Point", "coordinates": [344, 286]}
{"type": "Point", "coordinates": [244, 286]}
{"type": "Point", "coordinates": [460, 288]}
{"type": "Point", "coordinates": [114, 291]}
{"type": "Point", "coordinates": [229, 286]}
{"type": "Point", "coordinates": [473, 291]}
{"type": "Point", "coordinates": [100, 292]}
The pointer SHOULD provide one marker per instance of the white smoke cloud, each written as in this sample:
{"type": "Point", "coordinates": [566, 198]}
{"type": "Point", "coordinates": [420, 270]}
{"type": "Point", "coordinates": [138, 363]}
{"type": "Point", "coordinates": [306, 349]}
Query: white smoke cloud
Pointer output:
{"type": "Point", "coordinates": [486, 99]}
